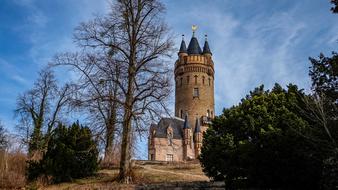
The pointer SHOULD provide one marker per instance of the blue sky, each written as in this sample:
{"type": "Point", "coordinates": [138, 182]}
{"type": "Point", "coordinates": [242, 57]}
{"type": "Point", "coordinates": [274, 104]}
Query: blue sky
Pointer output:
{"type": "Point", "coordinates": [253, 41]}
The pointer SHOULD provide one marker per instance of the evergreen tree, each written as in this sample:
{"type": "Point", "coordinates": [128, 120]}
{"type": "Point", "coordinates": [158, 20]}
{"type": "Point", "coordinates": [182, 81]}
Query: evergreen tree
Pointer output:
{"type": "Point", "coordinates": [267, 141]}
{"type": "Point", "coordinates": [334, 9]}
{"type": "Point", "coordinates": [71, 154]}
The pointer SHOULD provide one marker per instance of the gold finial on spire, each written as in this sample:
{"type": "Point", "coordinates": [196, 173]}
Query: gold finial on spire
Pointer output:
{"type": "Point", "coordinates": [194, 28]}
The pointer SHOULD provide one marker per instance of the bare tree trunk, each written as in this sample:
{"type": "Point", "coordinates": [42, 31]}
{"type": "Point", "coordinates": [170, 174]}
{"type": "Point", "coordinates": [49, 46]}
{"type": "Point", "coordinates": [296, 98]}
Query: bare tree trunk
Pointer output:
{"type": "Point", "coordinates": [110, 133]}
{"type": "Point", "coordinates": [125, 175]}
{"type": "Point", "coordinates": [125, 169]}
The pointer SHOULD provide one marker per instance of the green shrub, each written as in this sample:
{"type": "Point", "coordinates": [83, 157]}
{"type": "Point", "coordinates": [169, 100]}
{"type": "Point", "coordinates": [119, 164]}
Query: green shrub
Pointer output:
{"type": "Point", "coordinates": [267, 142]}
{"type": "Point", "coordinates": [71, 154]}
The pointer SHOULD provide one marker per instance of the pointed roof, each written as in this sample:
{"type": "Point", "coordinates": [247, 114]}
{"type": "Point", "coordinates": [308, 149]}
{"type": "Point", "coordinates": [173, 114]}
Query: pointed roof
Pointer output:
{"type": "Point", "coordinates": [186, 123]}
{"type": "Point", "coordinates": [183, 48]}
{"type": "Point", "coordinates": [206, 48]}
{"type": "Point", "coordinates": [197, 126]}
{"type": "Point", "coordinates": [194, 47]}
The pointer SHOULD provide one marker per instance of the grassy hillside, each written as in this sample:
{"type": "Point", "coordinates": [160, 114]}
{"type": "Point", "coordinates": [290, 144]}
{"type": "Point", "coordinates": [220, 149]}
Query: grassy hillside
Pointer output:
{"type": "Point", "coordinates": [145, 173]}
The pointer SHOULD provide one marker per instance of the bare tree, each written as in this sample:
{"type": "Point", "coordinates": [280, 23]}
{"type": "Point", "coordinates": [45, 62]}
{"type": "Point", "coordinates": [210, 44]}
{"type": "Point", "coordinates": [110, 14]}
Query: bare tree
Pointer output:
{"type": "Point", "coordinates": [3, 137]}
{"type": "Point", "coordinates": [323, 117]}
{"type": "Point", "coordinates": [136, 36]}
{"type": "Point", "coordinates": [39, 109]}
{"type": "Point", "coordinates": [97, 92]}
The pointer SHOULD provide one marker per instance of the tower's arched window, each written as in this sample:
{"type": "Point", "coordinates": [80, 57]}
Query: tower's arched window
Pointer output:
{"type": "Point", "coordinates": [181, 113]}
{"type": "Point", "coordinates": [211, 114]}
{"type": "Point", "coordinates": [209, 81]}
{"type": "Point", "coordinates": [188, 78]}
{"type": "Point", "coordinates": [195, 79]}
{"type": "Point", "coordinates": [196, 93]}
{"type": "Point", "coordinates": [203, 78]}
{"type": "Point", "coordinates": [208, 113]}
{"type": "Point", "coordinates": [181, 81]}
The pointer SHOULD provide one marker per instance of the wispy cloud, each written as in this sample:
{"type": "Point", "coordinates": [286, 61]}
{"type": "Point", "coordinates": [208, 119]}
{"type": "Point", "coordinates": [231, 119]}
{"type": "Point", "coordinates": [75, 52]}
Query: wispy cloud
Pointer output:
{"type": "Point", "coordinates": [251, 52]}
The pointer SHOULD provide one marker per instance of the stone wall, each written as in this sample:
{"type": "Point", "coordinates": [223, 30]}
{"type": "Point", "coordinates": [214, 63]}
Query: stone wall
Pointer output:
{"type": "Point", "coordinates": [194, 71]}
{"type": "Point", "coordinates": [161, 149]}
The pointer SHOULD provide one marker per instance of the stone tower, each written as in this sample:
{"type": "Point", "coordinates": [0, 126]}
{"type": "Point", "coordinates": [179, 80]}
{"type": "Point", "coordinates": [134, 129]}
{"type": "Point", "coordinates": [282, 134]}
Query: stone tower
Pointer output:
{"type": "Point", "coordinates": [194, 80]}
{"type": "Point", "coordinates": [180, 138]}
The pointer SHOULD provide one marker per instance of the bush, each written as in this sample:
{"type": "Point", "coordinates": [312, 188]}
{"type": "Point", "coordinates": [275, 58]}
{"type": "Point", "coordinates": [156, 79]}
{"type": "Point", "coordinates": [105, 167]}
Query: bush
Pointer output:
{"type": "Point", "coordinates": [266, 142]}
{"type": "Point", "coordinates": [71, 154]}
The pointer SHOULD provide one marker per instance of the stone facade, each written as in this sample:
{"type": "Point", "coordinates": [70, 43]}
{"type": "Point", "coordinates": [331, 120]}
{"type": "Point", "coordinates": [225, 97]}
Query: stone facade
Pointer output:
{"type": "Point", "coordinates": [180, 138]}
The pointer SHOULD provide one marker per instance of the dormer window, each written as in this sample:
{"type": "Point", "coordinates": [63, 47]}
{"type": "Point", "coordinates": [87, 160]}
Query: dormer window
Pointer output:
{"type": "Point", "coordinates": [170, 135]}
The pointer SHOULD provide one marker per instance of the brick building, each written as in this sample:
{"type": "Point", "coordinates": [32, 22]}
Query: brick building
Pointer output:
{"type": "Point", "coordinates": [180, 138]}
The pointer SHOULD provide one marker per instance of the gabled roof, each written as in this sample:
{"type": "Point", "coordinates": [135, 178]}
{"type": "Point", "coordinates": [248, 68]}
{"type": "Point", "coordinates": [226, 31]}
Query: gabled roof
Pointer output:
{"type": "Point", "coordinates": [161, 129]}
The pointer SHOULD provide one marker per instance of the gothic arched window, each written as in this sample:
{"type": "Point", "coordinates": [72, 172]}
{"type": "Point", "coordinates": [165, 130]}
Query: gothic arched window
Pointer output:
{"type": "Point", "coordinates": [203, 78]}
{"type": "Point", "coordinates": [195, 79]}
{"type": "Point", "coordinates": [188, 79]}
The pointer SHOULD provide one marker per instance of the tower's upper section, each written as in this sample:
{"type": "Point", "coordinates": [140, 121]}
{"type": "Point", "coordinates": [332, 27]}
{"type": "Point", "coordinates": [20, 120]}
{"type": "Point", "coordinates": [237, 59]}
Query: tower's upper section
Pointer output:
{"type": "Point", "coordinates": [194, 56]}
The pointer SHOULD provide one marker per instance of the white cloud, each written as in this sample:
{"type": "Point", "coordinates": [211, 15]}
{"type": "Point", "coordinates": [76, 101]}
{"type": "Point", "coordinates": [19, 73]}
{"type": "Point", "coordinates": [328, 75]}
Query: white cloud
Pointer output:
{"type": "Point", "coordinates": [247, 53]}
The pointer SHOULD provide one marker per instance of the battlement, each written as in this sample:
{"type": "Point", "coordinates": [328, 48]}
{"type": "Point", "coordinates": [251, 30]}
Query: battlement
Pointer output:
{"type": "Point", "coordinates": [196, 59]}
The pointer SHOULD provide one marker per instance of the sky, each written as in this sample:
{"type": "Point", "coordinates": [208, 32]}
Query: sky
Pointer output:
{"type": "Point", "coordinates": [253, 42]}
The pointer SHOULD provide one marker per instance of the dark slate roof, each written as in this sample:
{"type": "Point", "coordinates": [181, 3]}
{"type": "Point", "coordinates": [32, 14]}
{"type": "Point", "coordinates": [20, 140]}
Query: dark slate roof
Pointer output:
{"type": "Point", "coordinates": [206, 48]}
{"type": "Point", "coordinates": [186, 123]}
{"type": "Point", "coordinates": [197, 126]}
{"type": "Point", "coordinates": [183, 48]}
{"type": "Point", "coordinates": [194, 47]}
{"type": "Point", "coordinates": [175, 123]}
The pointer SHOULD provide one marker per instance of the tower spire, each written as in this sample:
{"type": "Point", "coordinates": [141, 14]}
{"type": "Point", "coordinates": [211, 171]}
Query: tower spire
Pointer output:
{"type": "Point", "coordinates": [186, 122]}
{"type": "Point", "coordinates": [183, 47]}
{"type": "Point", "coordinates": [194, 48]}
{"type": "Point", "coordinates": [197, 126]}
{"type": "Point", "coordinates": [206, 49]}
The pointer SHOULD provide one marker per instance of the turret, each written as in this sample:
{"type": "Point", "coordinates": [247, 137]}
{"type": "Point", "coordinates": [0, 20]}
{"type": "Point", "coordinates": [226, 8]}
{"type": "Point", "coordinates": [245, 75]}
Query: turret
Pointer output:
{"type": "Point", "coordinates": [186, 131]}
{"type": "Point", "coordinates": [197, 138]}
{"type": "Point", "coordinates": [206, 49]}
{"type": "Point", "coordinates": [183, 48]}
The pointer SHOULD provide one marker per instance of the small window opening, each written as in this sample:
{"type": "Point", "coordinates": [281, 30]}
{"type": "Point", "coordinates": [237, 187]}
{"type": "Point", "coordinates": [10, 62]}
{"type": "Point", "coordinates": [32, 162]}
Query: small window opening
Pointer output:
{"type": "Point", "coordinates": [196, 92]}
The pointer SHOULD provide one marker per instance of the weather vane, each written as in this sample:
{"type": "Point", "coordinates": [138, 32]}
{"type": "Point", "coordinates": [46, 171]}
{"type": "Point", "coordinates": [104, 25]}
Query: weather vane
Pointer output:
{"type": "Point", "coordinates": [194, 28]}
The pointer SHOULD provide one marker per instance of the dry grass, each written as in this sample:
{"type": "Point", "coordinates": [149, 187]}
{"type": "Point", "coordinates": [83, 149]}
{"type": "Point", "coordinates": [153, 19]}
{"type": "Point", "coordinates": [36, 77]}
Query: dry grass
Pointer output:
{"type": "Point", "coordinates": [144, 174]}
{"type": "Point", "coordinates": [12, 170]}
